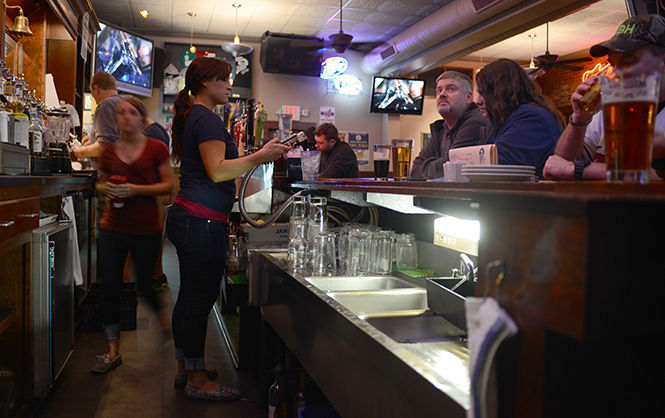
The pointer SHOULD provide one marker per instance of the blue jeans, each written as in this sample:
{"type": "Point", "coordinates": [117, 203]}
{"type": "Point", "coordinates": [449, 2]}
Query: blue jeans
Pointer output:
{"type": "Point", "coordinates": [201, 248]}
{"type": "Point", "coordinates": [112, 249]}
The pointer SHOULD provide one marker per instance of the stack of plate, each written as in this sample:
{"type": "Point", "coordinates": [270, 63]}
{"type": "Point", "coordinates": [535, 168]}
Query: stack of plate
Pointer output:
{"type": "Point", "coordinates": [499, 172]}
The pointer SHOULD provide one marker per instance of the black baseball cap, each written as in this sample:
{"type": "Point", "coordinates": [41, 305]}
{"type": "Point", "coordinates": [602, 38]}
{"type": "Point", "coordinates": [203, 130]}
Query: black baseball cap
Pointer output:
{"type": "Point", "coordinates": [634, 33]}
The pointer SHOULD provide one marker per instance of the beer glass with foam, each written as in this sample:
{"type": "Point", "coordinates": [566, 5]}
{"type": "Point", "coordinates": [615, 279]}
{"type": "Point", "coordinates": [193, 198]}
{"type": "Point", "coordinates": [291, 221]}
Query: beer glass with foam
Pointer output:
{"type": "Point", "coordinates": [401, 150]}
{"type": "Point", "coordinates": [630, 105]}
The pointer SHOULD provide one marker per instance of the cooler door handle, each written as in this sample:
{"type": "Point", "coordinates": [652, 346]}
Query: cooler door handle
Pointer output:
{"type": "Point", "coordinates": [6, 224]}
{"type": "Point", "coordinates": [29, 215]}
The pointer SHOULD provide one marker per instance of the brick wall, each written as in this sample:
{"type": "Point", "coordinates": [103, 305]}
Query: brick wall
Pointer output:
{"type": "Point", "coordinates": [559, 84]}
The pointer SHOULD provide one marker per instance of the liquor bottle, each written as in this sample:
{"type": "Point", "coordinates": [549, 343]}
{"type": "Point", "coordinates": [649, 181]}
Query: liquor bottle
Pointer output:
{"type": "Point", "coordinates": [35, 133]}
{"type": "Point", "coordinates": [299, 403]}
{"type": "Point", "coordinates": [275, 395]}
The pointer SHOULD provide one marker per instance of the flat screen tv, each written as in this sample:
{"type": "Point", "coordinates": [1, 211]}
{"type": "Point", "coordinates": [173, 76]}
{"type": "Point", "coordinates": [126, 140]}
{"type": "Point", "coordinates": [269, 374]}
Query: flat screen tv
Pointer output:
{"type": "Point", "coordinates": [127, 56]}
{"type": "Point", "coordinates": [397, 95]}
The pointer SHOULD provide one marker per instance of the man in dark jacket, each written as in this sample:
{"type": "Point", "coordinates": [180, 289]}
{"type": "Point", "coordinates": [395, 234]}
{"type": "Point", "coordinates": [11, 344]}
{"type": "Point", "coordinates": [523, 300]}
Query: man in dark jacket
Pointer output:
{"type": "Point", "coordinates": [462, 125]}
{"type": "Point", "coordinates": [337, 157]}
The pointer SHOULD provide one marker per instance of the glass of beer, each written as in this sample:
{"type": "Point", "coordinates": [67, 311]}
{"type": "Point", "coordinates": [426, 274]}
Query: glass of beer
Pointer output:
{"type": "Point", "coordinates": [629, 112]}
{"type": "Point", "coordinates": [401, 149]}
{"type": "Point", "coordinates": [381, 161]}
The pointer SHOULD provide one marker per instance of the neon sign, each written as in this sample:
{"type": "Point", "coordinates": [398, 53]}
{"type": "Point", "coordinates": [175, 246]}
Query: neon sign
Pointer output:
{"type": "Point", "coordinates": [597, 69]}
{"type": "Point", "coordinates": [333, 67]}
{"type": "Point", "coordinates": [349, 85]}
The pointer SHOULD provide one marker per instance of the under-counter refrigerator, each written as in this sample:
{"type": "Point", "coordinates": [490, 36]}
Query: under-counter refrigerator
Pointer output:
{"type": "Point", "coordinates": [52, 302]}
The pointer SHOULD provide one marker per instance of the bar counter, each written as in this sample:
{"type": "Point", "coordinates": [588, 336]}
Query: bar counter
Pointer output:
{"type": "Point", "coordinates": [582, 282]}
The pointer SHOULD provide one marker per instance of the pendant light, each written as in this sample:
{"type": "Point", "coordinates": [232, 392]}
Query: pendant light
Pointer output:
{"type": "Point", "coordinates": [532, 64]}
{"type": "Point", "coordinates": [236, 48]}
{"type": "Point", "coordinates": [192, 48]}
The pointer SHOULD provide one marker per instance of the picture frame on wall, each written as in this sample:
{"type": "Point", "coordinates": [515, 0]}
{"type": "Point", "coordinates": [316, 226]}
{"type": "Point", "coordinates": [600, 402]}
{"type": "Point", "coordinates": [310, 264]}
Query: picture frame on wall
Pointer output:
{"type": "Point", "coordinates": [424, 138]}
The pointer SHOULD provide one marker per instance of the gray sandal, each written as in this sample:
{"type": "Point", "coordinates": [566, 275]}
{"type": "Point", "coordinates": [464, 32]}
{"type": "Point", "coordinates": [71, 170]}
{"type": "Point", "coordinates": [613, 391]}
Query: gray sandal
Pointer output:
{"type": "Point", "coordinates": [224, 393]}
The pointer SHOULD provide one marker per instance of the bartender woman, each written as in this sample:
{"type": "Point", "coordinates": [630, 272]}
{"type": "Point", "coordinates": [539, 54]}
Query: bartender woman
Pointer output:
{"type": "Point", "coordinates": [197, 221]}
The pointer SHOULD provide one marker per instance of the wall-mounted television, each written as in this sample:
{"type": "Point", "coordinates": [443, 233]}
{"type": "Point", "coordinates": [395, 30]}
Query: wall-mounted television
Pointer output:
{"type": "Point", "coordinates": [397, 95]}
{"type": "Point", "coordinates": [127, 56]}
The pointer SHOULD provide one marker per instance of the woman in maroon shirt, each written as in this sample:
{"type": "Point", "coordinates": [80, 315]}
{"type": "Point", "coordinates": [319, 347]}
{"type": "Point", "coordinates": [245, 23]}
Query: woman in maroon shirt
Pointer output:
{"type": "Point", "coordinates": [130, 224]}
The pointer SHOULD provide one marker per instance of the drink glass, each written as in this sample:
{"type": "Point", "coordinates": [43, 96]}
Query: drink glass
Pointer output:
{"type": "Point", "coordinates": [317, 215]}
{"type": "Point", "coordinates": [401, 149]}
{"type": "Point", "coordinates": [629, 111]}
{"type": "Point", "coordinates": [324, 255]}
{"type": "Point", "coordinates": [406, 251]}
{"type": "Point", "coordinates": [382, 252]}
{"type": "Point", "coordinates": [118, 202]}
{"type": "Point", "coordinates": [298, 244]}
{"type": "Point", "coordinates": [309, 161]}
{"type": "Point", "coordinates": [358, 252]}
{"type": "Point", "coordinates": [381, 161]}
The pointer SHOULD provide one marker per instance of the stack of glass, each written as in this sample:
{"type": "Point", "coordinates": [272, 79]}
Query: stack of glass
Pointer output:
{"type": "Point", "coordinates": [298, 246]}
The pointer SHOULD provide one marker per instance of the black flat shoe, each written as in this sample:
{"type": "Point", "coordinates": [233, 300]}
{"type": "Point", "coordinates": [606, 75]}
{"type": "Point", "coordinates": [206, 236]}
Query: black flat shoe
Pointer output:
{"type": "Point", "coordinates": [181, 379]}
{"type": "Point", "coordinates": [223, 394]}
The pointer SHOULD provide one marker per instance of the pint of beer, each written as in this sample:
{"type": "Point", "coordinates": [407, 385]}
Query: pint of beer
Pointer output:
{"type": "Point", "coordinates": [401, 150]}
{"type": "Point", "coordinates": [629, 114]}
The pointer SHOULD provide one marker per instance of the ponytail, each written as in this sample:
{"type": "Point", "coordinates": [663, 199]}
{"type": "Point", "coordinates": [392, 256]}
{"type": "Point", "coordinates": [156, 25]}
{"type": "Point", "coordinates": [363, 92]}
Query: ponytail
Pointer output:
{"type": "Point", "coordinates": [199, 70]}
{"type": "Point", "coordinates": [183, 104]}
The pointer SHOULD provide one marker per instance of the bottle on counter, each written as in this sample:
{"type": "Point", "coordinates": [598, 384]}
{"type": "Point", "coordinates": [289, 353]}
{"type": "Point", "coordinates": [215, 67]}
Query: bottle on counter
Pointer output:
{"type": "Point", "coordinates": [299, 402]}
{"type": "Point", "coordinates": [276, 404]}
{"type": "Point", "coordinates": [35, 132]}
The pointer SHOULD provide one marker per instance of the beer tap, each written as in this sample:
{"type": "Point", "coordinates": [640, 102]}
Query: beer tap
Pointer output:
{"type": "Point", "coordinates": [249, 125]}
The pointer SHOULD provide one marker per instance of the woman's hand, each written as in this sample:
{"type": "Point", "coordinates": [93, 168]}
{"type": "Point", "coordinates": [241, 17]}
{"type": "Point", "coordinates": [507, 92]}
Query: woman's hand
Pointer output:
{"type": "Point", "coordinates": [273, 150]}
{"type": "Point", "coordinates": [120, 190]}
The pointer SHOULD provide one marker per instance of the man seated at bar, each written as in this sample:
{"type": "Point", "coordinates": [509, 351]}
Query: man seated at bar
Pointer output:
{"type": "Point", "coordinates": [525, 124]}
{"type": "Point", "coordinates": [638, 46]}
{"type": "Point", "coordinates": [337, 157]}
{"type": "Point", "coordinates": [461, 125]}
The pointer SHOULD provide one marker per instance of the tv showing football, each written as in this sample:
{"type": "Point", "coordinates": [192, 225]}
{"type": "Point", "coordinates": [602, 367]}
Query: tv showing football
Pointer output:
{"type": "Point", "coordinates": [397, 95]}
{"type": "Point", "coordinates": [127, 57]}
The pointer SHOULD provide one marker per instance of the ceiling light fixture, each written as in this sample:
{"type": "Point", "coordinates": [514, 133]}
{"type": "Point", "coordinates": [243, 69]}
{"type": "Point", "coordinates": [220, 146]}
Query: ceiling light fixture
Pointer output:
{"type": "Point", "coordinates": [236, 48]}
{"type": "Point", "coordinates": [192, 48]}
{"type": "Point", "coordinates": [144, 12]}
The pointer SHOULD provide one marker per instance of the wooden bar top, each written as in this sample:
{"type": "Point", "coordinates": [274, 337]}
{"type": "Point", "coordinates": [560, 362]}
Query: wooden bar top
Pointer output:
{"type": "Point", "coordinates": [576, 190]}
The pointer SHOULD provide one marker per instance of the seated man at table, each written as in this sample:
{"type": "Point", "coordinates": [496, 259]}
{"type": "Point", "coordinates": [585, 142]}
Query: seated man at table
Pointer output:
{"type": "Point", "coordinates": [637, 46]}
{"type": "Point", "coordinates": [462, 125]}
{"type": "Point", "coordinates": [337, 157]}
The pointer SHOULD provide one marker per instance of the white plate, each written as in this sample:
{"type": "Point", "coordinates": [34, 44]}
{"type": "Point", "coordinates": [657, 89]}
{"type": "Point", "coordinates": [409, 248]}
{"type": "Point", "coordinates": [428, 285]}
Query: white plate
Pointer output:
{"type": "Point", "coordinates": [499, 167]}
{"type": "Point", "coordinates": [500, 177]}
{"type": "Point", "coordinates": [527, 173]}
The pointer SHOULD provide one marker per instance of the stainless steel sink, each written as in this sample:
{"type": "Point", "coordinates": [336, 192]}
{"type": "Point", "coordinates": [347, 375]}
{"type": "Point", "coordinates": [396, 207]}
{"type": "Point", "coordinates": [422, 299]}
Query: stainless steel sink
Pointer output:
{"type": "Point", "coordinates": [341, 284]}
{"type": "Point", "coordinates": [427, 327]}
{"type": "Point", "coordinates": [381, 302]}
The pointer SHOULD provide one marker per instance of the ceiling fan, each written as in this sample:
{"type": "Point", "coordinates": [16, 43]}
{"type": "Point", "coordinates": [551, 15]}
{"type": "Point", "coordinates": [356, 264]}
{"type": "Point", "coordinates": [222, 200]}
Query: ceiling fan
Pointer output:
{"type": "Point", "coordinates": [339, 41]}
{"type": "Point", "coordinates": [544, 63]}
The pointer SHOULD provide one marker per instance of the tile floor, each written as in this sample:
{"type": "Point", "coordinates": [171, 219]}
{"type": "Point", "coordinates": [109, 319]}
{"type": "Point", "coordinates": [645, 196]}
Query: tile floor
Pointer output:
{"type": "Point", "coordinates": [143, 385]}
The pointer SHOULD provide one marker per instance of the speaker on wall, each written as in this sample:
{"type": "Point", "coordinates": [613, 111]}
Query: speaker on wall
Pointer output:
{"type": "Point", "coordinates": [291, 54]}
{"type": "Point", "coordinates": [158, 60]}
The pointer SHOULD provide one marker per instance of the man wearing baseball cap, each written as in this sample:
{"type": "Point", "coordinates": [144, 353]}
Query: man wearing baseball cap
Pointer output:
{"type": "Point", "coordinates": [637, 46]}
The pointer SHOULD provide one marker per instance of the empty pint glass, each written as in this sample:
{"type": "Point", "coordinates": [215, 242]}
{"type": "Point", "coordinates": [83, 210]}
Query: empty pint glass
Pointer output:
{"type": "Point", "coordinates": [401, 149]}
{"type": "Point", "coordinates": [629, 111]}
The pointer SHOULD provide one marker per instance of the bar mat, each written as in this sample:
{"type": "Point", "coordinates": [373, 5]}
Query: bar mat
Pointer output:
{"type": "Point", "coordinates": [417, 272]}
